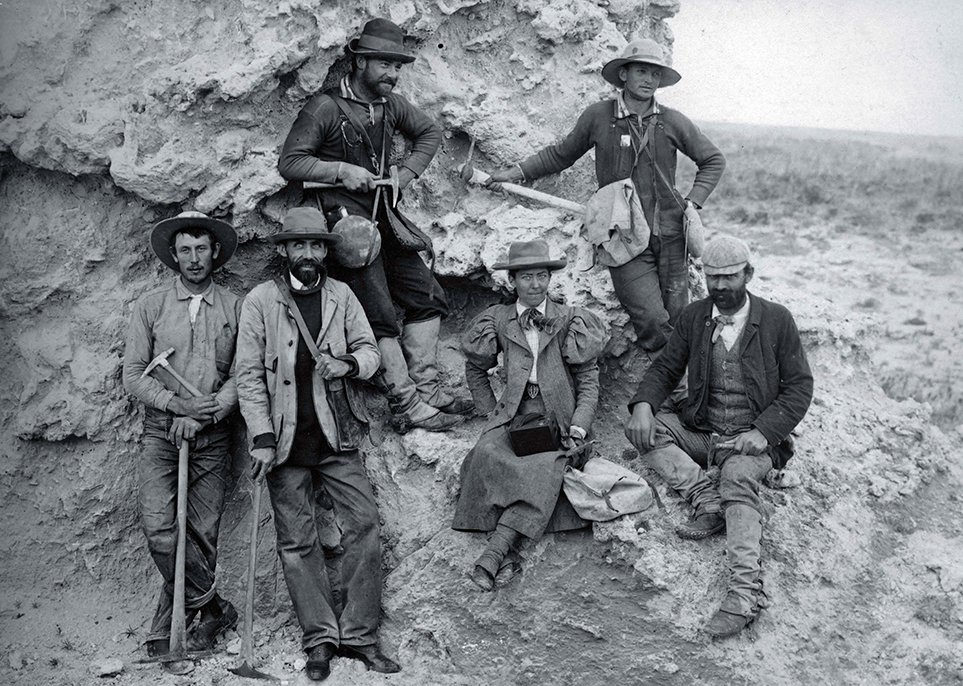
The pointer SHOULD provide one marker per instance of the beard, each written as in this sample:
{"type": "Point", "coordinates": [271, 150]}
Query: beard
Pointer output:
{"type": "Point", "coordinates": [307, 270]}
{"type": "Point", "coordinates": [728, 300]}
{"type": "Point", "coordinates": [382, 86]}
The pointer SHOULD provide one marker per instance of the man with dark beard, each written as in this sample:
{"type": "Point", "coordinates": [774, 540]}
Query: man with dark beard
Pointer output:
{"type": "Point", "coordinates": [198, 319]}
{"type": "Point", "coordinates": [343, 137]}
{"type": "Point", "coordinates": [749, 386]}
{"type": "Point", "coordinates": [302, 338]}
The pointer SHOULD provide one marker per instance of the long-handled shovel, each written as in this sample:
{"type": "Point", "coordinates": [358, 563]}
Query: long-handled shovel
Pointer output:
{"type": "Point", "coordinates": [246, 669]}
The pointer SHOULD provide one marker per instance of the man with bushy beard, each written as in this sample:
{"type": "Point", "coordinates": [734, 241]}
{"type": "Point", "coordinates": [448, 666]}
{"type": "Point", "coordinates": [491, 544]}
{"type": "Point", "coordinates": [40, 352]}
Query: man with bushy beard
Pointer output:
{"type": "Point", "coordinates": [344, 137]}
{"type": "Point", "coordinates": [749, 386]}
{"type": "Point", "coordinates": [302, 338]}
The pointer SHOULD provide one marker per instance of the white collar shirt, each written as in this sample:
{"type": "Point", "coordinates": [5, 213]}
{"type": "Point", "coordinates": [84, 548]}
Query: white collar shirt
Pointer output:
{"type": "Point", "coordinates": [531, 337]}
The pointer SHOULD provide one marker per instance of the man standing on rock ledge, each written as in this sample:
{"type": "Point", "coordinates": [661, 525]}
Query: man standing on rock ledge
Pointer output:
{"type": "Point", "coordinates": [198, 319]}
{"type": "Point", "coordinates": [749, 386]}
{"type": "Point", "coordinates": [636, 138]}
{"type": "Point", "coordinates": [303, 339]}
{"type": "Point", "coordinates": [343, 137]}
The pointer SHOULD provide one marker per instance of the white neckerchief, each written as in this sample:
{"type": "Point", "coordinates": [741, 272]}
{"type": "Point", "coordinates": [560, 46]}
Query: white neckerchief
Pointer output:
{"type": "Point", "coordinates": [729, 334]}
{"type": "Point", "coordinates": [531, 337]}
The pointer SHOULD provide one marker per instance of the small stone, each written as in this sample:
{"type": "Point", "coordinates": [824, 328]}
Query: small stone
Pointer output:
{"type": "Point", "coordinates": [110, 666]}
{"type": "Point", "coordinates": [15, 660]}
{"type": "Point", "coordinates": [299, 664]}
{"type": "Point", "coordinates": [234, 647]}
{"type": "Point", "coordinates": [669, 668]}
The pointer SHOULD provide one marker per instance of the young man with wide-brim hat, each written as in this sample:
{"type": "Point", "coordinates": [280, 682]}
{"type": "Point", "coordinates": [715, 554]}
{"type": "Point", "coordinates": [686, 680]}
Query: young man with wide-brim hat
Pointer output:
{"type": "Point", "coordinates": [305, 421]}
{"type": "Point", "coordinates": [635, 137]}
{"type": "Point", "coordinates": [549, 354]}
{"type": "Point", "coordinates": [198, 319]}
{"type": "Point", "coordinates": [343, 137]}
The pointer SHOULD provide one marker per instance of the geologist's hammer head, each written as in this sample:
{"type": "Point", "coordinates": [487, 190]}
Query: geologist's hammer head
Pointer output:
{"type": "Point", "coordinates": [159, 360]}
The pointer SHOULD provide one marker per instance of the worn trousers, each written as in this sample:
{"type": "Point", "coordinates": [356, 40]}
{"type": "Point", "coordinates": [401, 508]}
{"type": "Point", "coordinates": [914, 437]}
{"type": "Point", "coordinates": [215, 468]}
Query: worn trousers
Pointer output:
{"type": "Point", "coordinates": [208, 470]}
{"type": "Point", "coordinates": [354, 621]}
{"type": "Point", "coordinates": [653, 289]}
{"type": "Point", "coordinates": [680, 457]}
{"type": "Point", "coordinates": [397, 286]}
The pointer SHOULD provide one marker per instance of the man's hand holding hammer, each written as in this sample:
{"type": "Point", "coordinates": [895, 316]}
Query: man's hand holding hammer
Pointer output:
{"type": "Point", "coordinates": [192, 415]}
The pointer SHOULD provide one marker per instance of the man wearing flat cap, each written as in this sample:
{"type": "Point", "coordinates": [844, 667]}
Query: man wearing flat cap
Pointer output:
{"type": "Point", "coordinates": [343, 137]}
{"type": "Point", "coordinates": [749, 386]}
{"type": "Point", "coordinates": [303, 340]}
{"type": "Point", "coordinates": [198, 319]}
{"type": "Point", "coordinates": [636, 138]}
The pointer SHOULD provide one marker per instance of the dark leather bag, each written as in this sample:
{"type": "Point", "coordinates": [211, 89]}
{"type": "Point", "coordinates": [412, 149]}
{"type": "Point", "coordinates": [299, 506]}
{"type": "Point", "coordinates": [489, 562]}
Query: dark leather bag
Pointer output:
{"type": "Point", "coordinates": [534, 432]}
{"type": "Point", "coordinates": [344, 396]}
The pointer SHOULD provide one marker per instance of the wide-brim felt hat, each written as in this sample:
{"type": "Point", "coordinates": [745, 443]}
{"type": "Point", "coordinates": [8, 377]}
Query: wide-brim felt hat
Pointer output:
{"type": "Point", "coordinates": [530, 255]}
{"type": "Point", "coordinates": [380, 38]}
{"type": "Point", "coordinates": [305, 223]}
{"type": "Point", "coordinates": [646, 51]}
{"type": "Point", "coordinates": [224, 234]}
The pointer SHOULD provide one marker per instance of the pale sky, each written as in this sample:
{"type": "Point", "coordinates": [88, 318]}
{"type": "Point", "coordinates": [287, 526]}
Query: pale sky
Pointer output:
{"type": "Point", "coordinates": [873, 65]}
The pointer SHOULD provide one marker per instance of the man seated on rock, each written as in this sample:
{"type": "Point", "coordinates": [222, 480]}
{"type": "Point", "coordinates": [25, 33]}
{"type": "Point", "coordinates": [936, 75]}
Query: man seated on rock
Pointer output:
{"type": "Point", "coordinates": [749, 386]}
{"type": "Point", "coordinates": [198, 319]}
{"type": "Point", "coordinates": [549, 352]}
{"type": "Point", "coordinates": [634, 137]}
{"type": "Point", "coordinates": [303, 339]}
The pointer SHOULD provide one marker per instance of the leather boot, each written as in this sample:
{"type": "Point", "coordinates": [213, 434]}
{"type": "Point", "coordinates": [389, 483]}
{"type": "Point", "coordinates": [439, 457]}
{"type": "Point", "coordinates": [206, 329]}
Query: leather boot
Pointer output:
{"type": "Point", "coordinates": [702, 526]}
{"type": "Point", "coordinates": [408, 410]}
{"type": "Point", "coordinates": [743, 548]}
{"type": "Point", "coordinates": [419, 342]}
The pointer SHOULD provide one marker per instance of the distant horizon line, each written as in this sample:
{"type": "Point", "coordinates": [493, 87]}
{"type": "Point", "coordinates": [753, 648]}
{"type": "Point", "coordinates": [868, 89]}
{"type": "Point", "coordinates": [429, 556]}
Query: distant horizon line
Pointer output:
{"type": "Point", "coordinates": [827, 130]}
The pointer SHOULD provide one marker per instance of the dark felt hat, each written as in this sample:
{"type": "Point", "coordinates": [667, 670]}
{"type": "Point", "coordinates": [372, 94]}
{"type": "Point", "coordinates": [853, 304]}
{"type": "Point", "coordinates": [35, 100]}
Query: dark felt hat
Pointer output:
{"type": "Point", "coordinates": [380, 38]}
{"type": "Point", "coordinates": [530, 255]}
{"type": "Point", "coordinates": [645, 51]}
{"type": "Point", "coordinates": [160, 236]}
{"type": "Point", "coordinates": [304, 223]}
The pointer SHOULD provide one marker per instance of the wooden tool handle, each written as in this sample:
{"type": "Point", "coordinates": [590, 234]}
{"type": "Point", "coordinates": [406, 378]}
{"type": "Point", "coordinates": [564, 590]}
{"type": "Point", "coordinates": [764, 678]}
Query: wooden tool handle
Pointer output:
{"type": "Point", "coordinates": [178, 640]}
{"type": "Point", "coordinates": [481, 178]}
{"type": "Point", "coordinates": [247, 631]}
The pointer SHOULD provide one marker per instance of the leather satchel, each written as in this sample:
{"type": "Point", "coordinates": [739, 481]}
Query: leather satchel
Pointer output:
{"type": "Point", "coordinates": [534, 432]}
{"type": "Point", "coordinates": [343, 395]}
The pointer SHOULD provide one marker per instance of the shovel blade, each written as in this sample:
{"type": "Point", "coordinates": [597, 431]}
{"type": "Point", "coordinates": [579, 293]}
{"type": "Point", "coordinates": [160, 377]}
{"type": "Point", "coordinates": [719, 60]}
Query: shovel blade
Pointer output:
{"type": "Point", "coordinates": [248, 672]}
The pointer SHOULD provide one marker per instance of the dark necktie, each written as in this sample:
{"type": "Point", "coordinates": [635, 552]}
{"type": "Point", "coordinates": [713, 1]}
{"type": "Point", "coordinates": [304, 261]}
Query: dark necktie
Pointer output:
{"type": "Point", "coordinates": [722, 321]}
{"type": "Point", "coordinates": [531, 317]}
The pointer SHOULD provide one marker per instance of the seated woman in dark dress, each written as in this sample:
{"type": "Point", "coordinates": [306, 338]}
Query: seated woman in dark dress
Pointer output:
{"type": "Point", "coordinates": [549, 355]}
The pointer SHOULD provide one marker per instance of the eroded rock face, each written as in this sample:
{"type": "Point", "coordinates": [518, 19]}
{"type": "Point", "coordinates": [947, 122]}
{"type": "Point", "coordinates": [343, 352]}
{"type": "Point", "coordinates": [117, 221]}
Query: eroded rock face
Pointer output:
{"type": "Point", "coordinates": [116, 114]}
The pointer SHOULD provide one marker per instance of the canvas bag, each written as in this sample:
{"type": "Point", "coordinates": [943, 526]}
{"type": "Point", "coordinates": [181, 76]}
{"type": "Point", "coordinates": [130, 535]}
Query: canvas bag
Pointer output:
{"type": "Point", "coordinates": [615, 224]}
{"type": "Point", "coordinates": [603, 490]}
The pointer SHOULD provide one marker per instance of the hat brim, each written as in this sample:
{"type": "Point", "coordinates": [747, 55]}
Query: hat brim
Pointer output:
{"type": "Point", "coordinates": [352, 49]}
{"type": "Point", "coordinates": [551, 265]}
{"type": "Point", "coordinates": [723, 271]}
{"type": "Point", "coordinates": [332, 238]}
{"type": "Point", "coordinates": [610, 72]}
{"type": "Point", "coordinates": [224, 234]}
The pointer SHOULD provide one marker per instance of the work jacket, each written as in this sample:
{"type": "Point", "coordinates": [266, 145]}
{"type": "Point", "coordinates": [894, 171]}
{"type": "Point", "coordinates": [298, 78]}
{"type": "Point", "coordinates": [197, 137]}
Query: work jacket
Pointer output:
{"type": "Point", "coordinates": [567, 372]}
{"type": "Point", "coordinates": [778, 380]}
{"type": "Point", "coordinates": [608, 129]}
{"type": "Point", "coordinates": [267, 345]}
{"type": "Point", "coordinates": [322, 136]}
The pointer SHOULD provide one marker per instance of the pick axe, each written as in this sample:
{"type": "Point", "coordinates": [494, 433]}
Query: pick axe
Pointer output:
{"type": "Point", "coordinates": [470, 174]}
{"type": "Point", "coordinates": [392, 182]}
{"type": "Point", "coordinates": [177, 660]}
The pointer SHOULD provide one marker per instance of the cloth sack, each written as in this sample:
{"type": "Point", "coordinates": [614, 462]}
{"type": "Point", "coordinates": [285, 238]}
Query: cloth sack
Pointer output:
{"type": "Point", "coordinates": [695, 233]}
{"type": "Point", "coordinates": [603, 490]}
{"type": "Point", "coordinates": [615, 224]}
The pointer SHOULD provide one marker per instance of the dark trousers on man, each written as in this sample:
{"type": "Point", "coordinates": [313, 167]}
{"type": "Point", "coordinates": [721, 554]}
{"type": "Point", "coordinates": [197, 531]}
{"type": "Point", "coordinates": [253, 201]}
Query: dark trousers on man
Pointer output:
{"type": "Point", "coordinates": [396, 287]}
{"type": "Point", "coordinates": [208, 470]}
{"type": "Point", "coordinates": [653, 288]}
{"type": "Point", "coordinates": [354, 621]}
